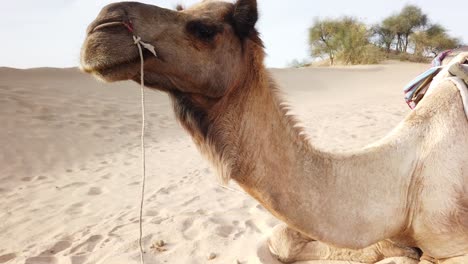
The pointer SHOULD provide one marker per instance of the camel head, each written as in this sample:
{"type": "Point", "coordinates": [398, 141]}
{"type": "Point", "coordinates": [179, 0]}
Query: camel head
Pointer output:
{"type": "Point", "coordinates": [200, 50]}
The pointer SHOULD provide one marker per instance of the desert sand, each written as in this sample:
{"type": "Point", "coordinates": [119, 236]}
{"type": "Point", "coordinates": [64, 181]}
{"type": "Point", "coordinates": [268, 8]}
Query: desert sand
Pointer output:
{"type": "Point", "coordinates": [70, 165]}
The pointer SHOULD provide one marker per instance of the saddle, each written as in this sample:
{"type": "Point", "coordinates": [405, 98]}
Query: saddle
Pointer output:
{"type": "Point", "coordinates": [456, 71]}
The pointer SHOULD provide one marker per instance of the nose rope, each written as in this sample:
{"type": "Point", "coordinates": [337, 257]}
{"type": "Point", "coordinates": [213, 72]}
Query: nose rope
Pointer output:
{"type": "Point", "coordinates": [140, 44]}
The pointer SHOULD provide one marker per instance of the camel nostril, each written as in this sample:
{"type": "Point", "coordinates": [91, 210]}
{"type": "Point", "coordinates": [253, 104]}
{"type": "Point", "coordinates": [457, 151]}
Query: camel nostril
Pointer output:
{"type": "Point", "coordinates": [129, 25]}
{"type": "Point", "coordinates": [112, 23]}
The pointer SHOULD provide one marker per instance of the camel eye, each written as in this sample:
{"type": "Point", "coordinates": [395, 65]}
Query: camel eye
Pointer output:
{"type": "Point", "coordinates": [205, 32]}
{"type": "Point", "coordinates": [202, 30]}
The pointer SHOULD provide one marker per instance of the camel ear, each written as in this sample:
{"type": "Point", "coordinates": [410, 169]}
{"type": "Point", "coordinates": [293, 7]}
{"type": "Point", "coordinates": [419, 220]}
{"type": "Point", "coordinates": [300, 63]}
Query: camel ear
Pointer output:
{"type": "Point", "coordinates": [245, 17]}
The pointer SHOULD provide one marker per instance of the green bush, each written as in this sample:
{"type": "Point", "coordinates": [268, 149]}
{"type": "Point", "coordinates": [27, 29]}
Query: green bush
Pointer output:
{"type": "Point", "coordinates": [345, 40]}
{"type": "Point", "coordinates": [372, 55]}
{"type": "Point", "coordinates": [412, 58]}
{"type": "Point", "coordinates": [407, 36]}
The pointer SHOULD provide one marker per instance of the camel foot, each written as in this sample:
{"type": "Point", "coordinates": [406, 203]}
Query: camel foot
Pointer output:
{"type": "Point", "coordinates": [398, 260]}
{"type": "Point", "coordinates": [288, 246]}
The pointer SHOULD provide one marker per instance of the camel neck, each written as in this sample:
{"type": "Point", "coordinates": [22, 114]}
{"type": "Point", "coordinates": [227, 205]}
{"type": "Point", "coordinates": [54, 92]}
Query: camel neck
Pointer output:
{"type": "Point", "coordinates": [342, 199]}
{"type": "Point", "coordinates": [272, 160]}
{"type": "Point", "coordinates": [268, 139]}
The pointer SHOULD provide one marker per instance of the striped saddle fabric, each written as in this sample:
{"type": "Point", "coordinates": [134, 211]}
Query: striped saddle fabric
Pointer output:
{"type": "Point", "coordinates": [418, 87]}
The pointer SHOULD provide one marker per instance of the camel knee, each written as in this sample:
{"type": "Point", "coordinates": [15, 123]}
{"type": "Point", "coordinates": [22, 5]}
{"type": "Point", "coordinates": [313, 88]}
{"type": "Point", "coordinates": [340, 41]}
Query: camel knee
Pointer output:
{"type": "Point", "coordinates": [389, 249]}
{"type": "Point", "coordinates": [286, 244]}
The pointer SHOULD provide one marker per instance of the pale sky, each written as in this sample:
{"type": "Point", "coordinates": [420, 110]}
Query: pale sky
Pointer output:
{"type": "Point", "coordinates": [38, 33]}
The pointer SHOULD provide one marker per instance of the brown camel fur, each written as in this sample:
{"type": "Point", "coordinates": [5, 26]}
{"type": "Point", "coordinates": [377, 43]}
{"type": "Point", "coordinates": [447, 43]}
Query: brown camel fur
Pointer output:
{"type": "Point", "coordinates": [408, 190]}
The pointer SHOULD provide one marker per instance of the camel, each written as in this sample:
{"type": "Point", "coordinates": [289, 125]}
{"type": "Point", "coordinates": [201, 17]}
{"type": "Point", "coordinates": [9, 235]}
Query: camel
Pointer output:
{"type": "Point", "coordinates": [404, 194]}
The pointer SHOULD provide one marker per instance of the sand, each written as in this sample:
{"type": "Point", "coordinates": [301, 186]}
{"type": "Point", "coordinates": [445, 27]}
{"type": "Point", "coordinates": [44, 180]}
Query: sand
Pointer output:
{"type": "Point", "coordinates": [70, 165]}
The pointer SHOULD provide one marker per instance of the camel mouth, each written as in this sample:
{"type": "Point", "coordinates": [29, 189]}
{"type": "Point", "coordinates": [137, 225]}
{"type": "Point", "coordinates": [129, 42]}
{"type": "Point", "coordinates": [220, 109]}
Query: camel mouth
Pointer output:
{"type": "Point", "coordinates": [109, 52]}
{"type": "Point", "coordinates": [111, 69]}
{"type": "Point", "coordinates": [121, 70]}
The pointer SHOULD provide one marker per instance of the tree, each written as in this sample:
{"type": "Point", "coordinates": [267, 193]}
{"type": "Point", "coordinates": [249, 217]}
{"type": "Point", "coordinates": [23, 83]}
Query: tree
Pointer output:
{"type": "Point", "coordinates": [385, 36]}
{"type": "Point", "coordinates": [353, 39]}
{"type": "Point", "coordinates": [402, 26]}
{"type": "Point", "coordinates": [434, 40]}
{"type": "Point", "coordinates": [410, 18]}
{"type": "Point", "coordinates": [345, 39]}
{"type": "Point", "coordinates": [393, 25]}
{"type": "Point", "coordinates": [322, 39]}
{"type": "Point", "coordinates": [348, 40]}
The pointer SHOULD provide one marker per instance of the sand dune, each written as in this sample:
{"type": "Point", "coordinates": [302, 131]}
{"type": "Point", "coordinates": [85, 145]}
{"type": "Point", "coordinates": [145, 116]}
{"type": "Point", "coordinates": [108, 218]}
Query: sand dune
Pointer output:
{"type": "Point", "coordinates": [70, 165]}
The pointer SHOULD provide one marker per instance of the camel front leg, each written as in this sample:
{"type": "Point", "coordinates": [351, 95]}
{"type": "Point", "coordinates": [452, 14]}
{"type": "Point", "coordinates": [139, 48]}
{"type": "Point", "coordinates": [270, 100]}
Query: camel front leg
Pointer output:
{"type": "Point", "coordinates": [288, 246]}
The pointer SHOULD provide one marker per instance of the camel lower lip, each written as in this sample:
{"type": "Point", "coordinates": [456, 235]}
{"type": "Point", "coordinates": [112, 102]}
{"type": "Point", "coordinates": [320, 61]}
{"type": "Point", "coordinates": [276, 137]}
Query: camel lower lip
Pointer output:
{"type": "Point", "coordinates": [111, 67]}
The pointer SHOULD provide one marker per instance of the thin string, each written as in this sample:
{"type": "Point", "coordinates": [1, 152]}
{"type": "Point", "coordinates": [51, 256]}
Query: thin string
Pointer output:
{"type": "Point", "coordinates": [232, 190]}
{"type": "Point", "coordinates": [143, 153]}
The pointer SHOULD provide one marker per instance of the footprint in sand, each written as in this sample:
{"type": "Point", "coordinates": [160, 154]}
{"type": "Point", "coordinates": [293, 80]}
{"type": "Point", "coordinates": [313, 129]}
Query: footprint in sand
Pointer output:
{"type": "Point", "coordinates": [115, 229]}
{"type": "Point", "coordinates": [88, 246]}
{"type": "Point", "coordinates": [100, 168]}
{"type": "Point", "coordinates": [94, 191]}
{"type": "Point", "coordinates": [191, 200]}
{"type": "Point", "coordinates": [188, 232]}
{"type": "Point", "coordinates": [106, 176]}
{"type": "Point", "coordinates": [41, 260]}
{"type": "Point", "coordinates": [56, 248]}
{"type": "Point", "coordinates": [252, 226]}
{"type": "Point", "coordinates": [74, 209]}
{"type": "Point", "coordinates": [78, 259]}
{"type": "Point", "coordinates": [151, 213]}
{"type": "Point", "coordinates": [74, 184]}
{"type": "Point", "coordinates": [224, 230]}
{"type": "Point", "coordinates": [7, 257]}
{"type": "Point", "coordinates": [163, 191]}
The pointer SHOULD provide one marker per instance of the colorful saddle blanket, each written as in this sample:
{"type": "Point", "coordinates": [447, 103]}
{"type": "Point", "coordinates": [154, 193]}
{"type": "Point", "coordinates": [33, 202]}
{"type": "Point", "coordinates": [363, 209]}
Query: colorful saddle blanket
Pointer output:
{"type": "Point", "coordinates": [456, 71]}
{"type": "Point", "coordinates": [417, 88]}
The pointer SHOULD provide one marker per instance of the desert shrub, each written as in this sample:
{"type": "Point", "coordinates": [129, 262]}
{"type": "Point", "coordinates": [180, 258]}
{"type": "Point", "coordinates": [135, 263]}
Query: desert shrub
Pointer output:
{"type": "Point", "coordinates": [418, 58]}
{"type": "Point", "coordinates": [372, 55]}
{"type": "Point", "coordinates": [409, 34]}
{"type": "Point", "coordinates": [433, 40]}
{"type": "Point", "coordinates": [345, 40]}
{"type": "Point", "coordinates": [298, 64]}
